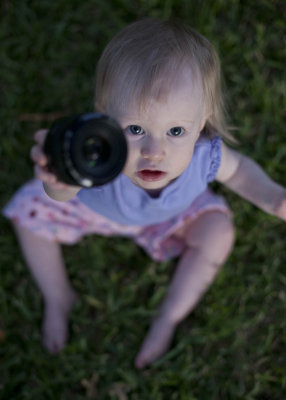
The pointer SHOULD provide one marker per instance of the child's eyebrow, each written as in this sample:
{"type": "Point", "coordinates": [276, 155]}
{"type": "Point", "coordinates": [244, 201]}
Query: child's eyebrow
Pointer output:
{"type": "Point", "coordinates": [127, 118]}
{"type": "Point", "coordinates": [188, 121]}
{"type": "Point", "coordinates": [130, 117]}
{"type": "Point", "coordinates": [180, 122]}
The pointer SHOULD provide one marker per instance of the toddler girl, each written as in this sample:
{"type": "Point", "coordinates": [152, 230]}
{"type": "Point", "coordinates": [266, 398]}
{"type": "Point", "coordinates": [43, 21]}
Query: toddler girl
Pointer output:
{"type": "Point", "coordinates": [161, 81]}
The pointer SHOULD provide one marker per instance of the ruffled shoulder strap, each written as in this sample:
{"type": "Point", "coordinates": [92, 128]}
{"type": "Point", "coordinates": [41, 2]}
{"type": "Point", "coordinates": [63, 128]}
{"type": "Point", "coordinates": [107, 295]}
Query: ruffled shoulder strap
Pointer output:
{"type": "Point", "coordinates": [215, 157]}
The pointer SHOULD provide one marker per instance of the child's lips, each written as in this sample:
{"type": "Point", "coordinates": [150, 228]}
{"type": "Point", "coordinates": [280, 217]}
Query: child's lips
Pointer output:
{"type": "Point", "coordinates": [151, 175]}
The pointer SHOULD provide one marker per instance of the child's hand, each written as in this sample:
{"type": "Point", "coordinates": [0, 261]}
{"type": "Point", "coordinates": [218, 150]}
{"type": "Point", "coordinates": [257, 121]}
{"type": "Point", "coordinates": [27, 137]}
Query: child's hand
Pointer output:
{"type": "Point", "coordinates": [53, 186]}
{"type": "Point", "coordinates": [280, 210]}
{"type": "Point", "coordinates": [40, 159]}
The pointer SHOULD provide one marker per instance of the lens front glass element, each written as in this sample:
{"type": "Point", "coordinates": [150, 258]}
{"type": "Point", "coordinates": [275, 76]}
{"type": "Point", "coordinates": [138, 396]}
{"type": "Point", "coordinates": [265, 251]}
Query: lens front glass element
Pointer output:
{"type": "Point", "coordinates": [95, 151]}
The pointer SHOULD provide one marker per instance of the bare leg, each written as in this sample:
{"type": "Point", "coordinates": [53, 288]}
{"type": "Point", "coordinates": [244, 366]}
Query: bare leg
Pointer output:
{"type": "Point", "coordinates": [45, 262]}
{"type": "Point", "coordinates": [209, 239]}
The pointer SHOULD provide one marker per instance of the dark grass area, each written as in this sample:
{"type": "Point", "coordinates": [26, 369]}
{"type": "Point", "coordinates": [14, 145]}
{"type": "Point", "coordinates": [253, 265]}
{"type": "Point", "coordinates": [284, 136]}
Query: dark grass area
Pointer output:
{"type": "Point", "coordinates": [233, 345]}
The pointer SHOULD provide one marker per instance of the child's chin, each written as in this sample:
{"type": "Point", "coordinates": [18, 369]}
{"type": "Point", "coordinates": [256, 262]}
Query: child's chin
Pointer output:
{"type": "Point", "coordinates": [153, 190]}
{"type": "Point", "coordinates": [152, 185]}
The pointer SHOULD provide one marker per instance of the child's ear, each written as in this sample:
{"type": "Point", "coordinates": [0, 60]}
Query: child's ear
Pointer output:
{"type": "Point", "coordinates": [203, 124]}
{"type": "Point", "coordinates": [204, 120]}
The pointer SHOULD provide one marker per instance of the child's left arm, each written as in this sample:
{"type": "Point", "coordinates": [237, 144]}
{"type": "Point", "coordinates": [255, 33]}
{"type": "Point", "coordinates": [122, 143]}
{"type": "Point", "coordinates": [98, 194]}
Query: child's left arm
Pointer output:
{"type": "Point", "coordinates": [246, 178]}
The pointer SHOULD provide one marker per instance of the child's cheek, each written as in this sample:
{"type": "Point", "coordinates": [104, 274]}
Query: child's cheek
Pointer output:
{"type": "Point", "coordinates": [131, 161]}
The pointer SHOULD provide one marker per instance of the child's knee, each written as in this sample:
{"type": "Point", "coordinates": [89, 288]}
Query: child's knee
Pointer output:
{"type": "Point", "coordinates": [213, 234]}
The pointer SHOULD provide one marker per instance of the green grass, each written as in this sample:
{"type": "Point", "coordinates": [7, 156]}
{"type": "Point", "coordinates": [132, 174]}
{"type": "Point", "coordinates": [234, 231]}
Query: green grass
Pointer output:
{"type": "Point", "coordinates": [232, 347]}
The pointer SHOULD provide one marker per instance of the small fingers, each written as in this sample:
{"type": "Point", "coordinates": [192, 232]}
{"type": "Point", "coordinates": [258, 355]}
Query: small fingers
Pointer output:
{"type": "Point", "coordinates": [40, 136]}
{"type": "Point", "coordinates": [280, 210]}
{"type": "Point", "coordinates": [41, 161]}
{"type": "Point", "coordinates": [50, 179]}
{"type": "Point", "coordinates": [38, 156]}
{"type": "Point", "coordinates": [44, 175]}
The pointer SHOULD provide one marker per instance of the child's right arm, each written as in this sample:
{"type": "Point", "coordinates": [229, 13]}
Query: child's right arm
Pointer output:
{"type": "Point", "coordinates": [53, 187]}
{"type": "Point", "coordinates": [246, 178]}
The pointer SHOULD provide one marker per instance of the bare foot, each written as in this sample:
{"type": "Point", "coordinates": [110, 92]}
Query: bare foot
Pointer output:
{"type": "Point", "coordinates": [156, 343]}
{"type": "Point", "coordinates": [55, 324]}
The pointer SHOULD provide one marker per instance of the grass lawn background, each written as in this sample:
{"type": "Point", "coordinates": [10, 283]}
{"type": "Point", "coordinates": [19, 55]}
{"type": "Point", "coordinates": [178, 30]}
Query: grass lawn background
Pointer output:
{"type": "Point", "coordinates": [233, 345]}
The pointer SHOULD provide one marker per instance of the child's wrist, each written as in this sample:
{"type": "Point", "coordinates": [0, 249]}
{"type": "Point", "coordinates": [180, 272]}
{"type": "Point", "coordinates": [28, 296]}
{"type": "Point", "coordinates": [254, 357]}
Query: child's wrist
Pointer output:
{"type": "Point", "coordinates": [61, 193]}
{"type": "Point", "coordinates": [280, 207]}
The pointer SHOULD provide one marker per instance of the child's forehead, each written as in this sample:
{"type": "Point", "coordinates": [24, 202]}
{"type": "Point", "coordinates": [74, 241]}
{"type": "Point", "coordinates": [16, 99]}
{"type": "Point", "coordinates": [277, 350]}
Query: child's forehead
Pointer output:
{"type": "Point", "coordinates": [183, 88]}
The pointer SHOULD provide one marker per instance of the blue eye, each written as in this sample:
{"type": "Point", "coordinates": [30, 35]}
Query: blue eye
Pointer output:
{"type": "Point", "coordinates": [176, 131]}
{"type": "Point", "coordinates": [135, 130]}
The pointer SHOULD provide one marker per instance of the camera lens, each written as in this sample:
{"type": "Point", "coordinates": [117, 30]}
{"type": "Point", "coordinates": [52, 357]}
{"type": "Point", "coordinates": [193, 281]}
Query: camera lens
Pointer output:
{"type": "Point", "coordinates": [95, 151]}
{"type": "Point", "coordinates": [86, 150]}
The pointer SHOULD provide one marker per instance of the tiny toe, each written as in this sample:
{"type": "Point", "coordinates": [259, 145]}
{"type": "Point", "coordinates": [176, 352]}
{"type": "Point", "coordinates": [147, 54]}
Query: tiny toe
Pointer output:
{"type": "Point", "coordinates": [140, 363]}
{"type": "Point", "coordinates": [156, 343]}
{"type": "Point", "coordinates": [52, 346]}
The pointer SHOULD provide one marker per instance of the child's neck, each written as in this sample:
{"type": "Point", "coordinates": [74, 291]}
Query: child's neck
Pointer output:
{"type": "Point", "coordinates": [154, 193]}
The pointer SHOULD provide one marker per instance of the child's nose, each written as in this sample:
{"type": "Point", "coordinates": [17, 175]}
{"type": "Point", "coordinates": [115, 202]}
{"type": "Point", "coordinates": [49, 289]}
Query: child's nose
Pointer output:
{"type": "Point", "coordinates": [153, 149]}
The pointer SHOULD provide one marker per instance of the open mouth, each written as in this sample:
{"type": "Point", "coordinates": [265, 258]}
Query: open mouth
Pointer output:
{"type": "Point", "coordinates": [150, 175]}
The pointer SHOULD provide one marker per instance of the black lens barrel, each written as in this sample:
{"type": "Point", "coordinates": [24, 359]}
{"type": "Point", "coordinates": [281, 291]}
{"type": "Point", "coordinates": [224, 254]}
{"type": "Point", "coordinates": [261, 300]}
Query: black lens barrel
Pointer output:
{"type": "Point", "coordinates": [86, 150]}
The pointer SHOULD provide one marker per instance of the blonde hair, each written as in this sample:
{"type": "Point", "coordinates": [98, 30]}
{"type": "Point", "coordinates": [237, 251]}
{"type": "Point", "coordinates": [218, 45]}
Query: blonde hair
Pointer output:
{"type": "Point", "coordinates": [142, 61]}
